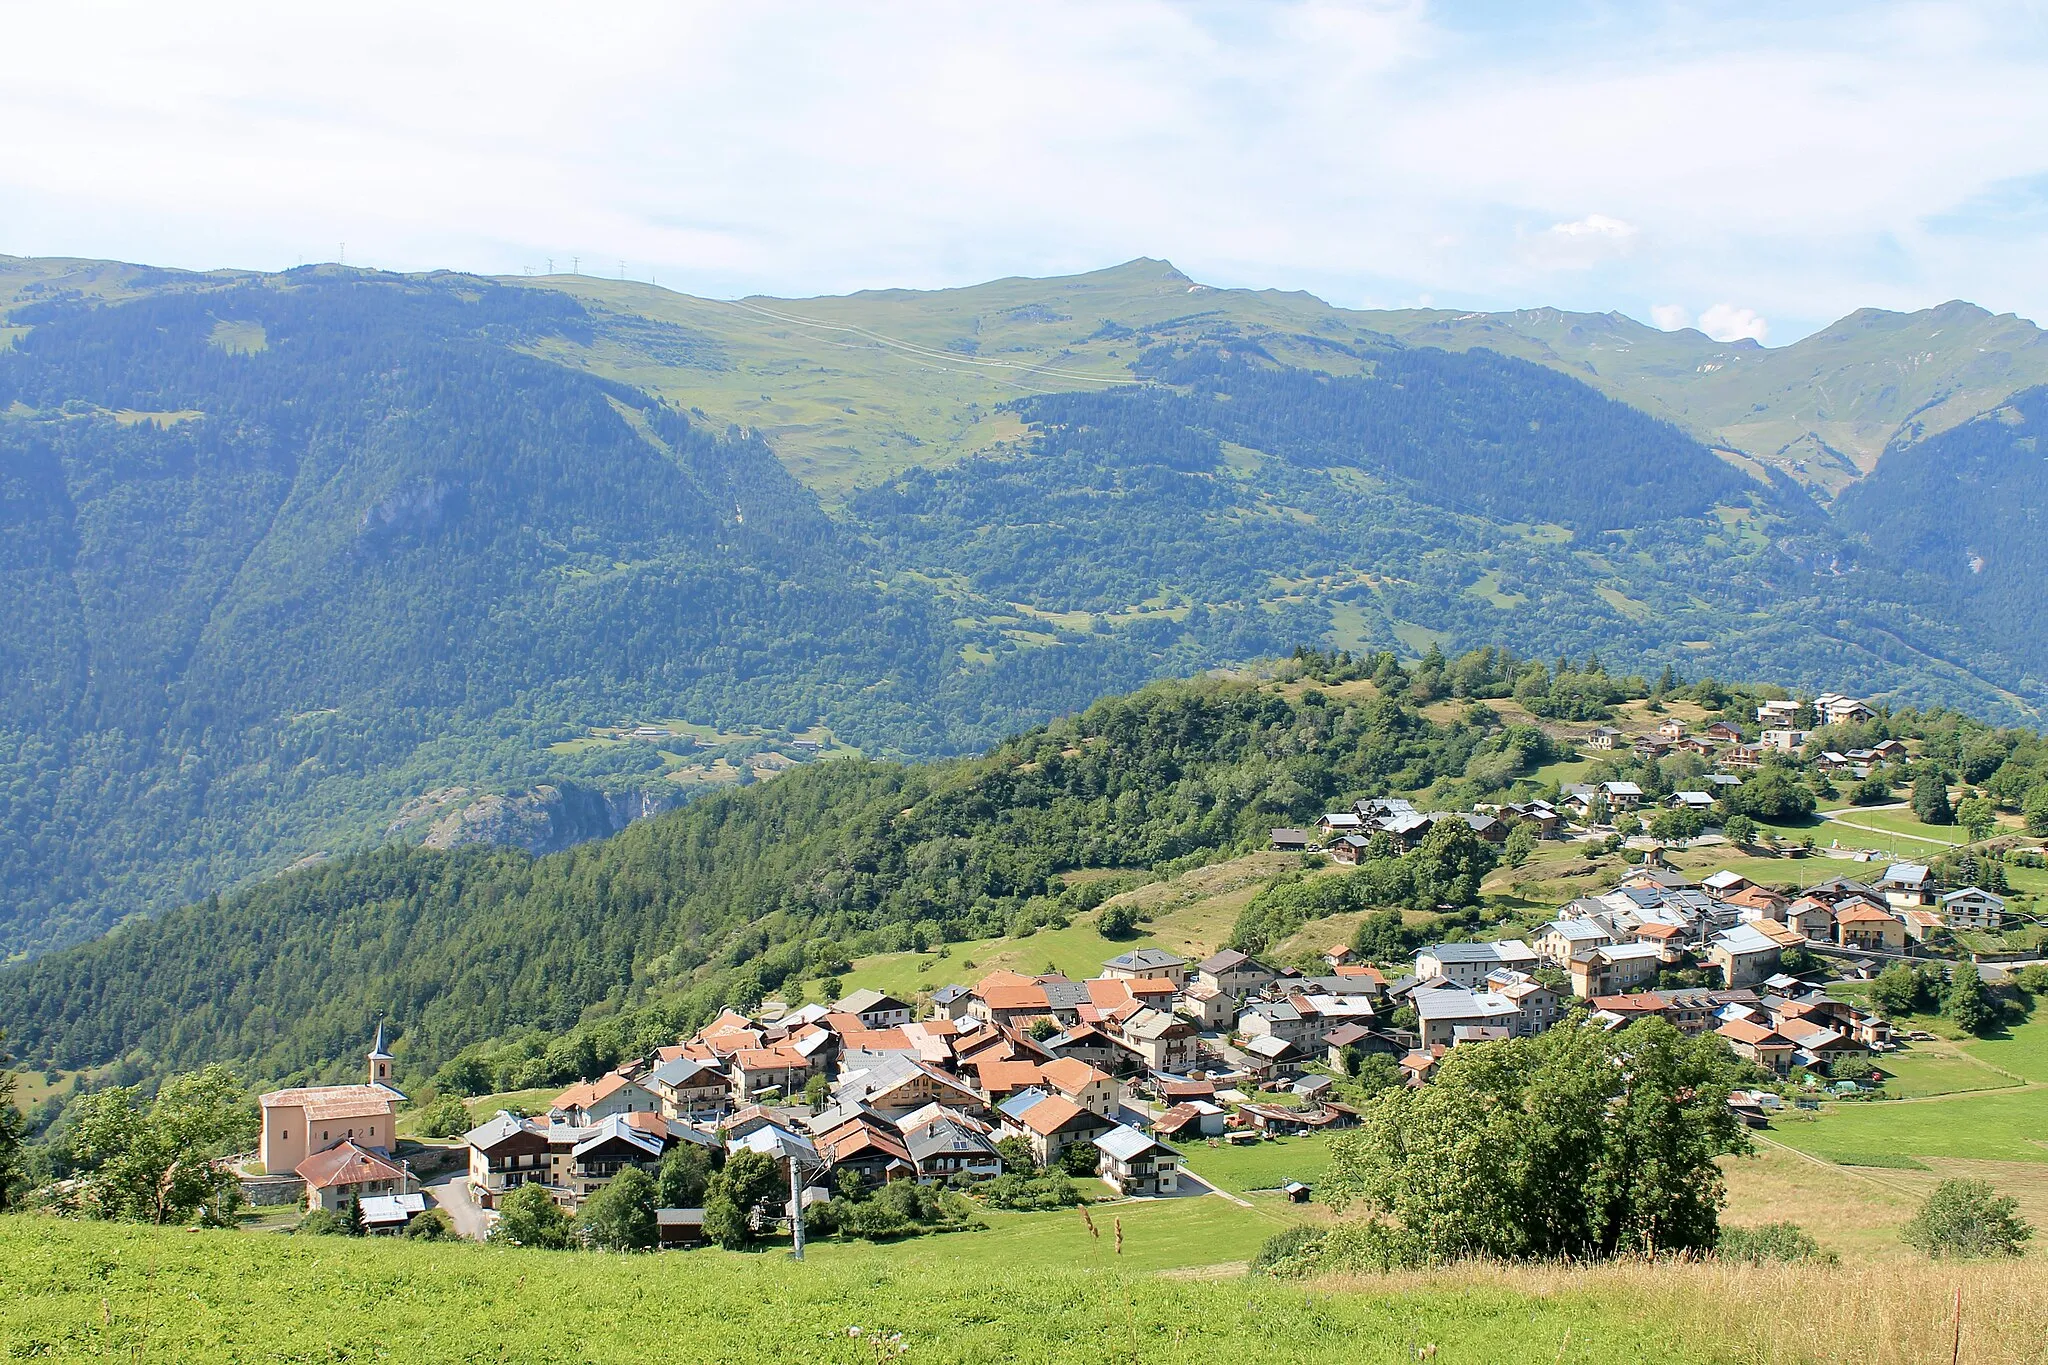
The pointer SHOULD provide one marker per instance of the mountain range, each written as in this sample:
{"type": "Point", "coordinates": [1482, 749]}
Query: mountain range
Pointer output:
{"type": "Point", "coordinates": [293, 564]}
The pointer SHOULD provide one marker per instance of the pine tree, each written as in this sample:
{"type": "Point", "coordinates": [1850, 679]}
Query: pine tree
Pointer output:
{"type": "Point", "coordinates": [352, 1212]}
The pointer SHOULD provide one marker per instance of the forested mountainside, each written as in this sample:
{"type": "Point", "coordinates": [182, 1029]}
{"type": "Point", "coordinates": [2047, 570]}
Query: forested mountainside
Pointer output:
{"type": "Point", "coordinates": [732, 896]}
{"type": "Point", "coordinates": [287, 560]}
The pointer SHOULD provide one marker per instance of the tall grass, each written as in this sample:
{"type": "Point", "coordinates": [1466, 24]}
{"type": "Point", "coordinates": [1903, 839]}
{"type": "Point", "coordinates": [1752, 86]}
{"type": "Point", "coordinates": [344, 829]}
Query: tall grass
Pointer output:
{"type": "Point", "coordinates": [1901, 1313]}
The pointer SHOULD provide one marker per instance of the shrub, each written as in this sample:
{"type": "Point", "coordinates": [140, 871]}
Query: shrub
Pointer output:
{"type": "Point", "coordinates": [1770, 1242]}
{"type": "Point", "coordinates": [1362, 1246]}
{"type": "Point", "coordinates": [1117, 921]}
{"type": "Point", "coordinates": [1966, 1218]}
{"type": "Point", "coordinates": [1080, 1158]}
{"type": "Point", "coordinates": [446, 1116]}
{"type": "Point", "coordinates": [323, 1223]}
{"type": "Point", "coordinates": [433, 1225]}
{"type": "Point", "coordinates": [529, 1217]}
{"type": "Point", "coordinates": [1030, 1193]}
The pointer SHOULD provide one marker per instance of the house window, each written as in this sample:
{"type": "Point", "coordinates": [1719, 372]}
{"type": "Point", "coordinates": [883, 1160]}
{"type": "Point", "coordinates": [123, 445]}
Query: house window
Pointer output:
{"type": "Point", "coordinates": [323, 1135]}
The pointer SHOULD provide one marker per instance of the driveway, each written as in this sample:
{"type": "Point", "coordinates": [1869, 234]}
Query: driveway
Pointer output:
{"type": "Point", "coordinates": [451, 1193]}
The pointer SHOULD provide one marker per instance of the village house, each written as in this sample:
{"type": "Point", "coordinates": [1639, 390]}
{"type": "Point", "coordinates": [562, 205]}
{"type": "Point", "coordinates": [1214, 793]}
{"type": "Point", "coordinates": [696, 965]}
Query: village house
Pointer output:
{"type": "Point", "coordinates": [1084, 1085]}
{"type": "Point", "coordinates": [1290, 840]}
{"type": "Point", "coordinates": [300, 1122]}
{"type": "Point", "coordinates": [613, 1093]}
{"type": "Point", "coordinates": [1234, 973]}
{"type": "Point", "coordinates": [863, 1145]}
{"type": "Point", "coordinates": [1973, 908]}
{"type": "Point", "coordinates": [1147, 962]}
{"type": "Point", "coordinates": [946, 1145]}
{"type": "Point", "coordinates": [1859, 924]}
{"type": "Point", "coordinates": [1758, 1043]}
{"type": "Point", "coordinates": [1742, 955]}
{"type": "Point", "coordinates": [689, 1089]}
{"type": "Point", "coordinates": [1207, 1007]}
{"type": "Point", "coordinates": [1833, 708]}
{"type": "Point", "coordinates": [1603, 737]}
{"type": "Point", "coordinates": [1466, 964]}
{"type": "Point", "coordinates": [1051, 1124]}
{"type": "Point", "coordinates": [875, 1010]}
{"type": "Point", "coordinates": [1442, 1013]}
{"type": "Point", "coordinates": [1615, 969]}
{"type": "Point", "coordinates": [1161, 1041]}
{"type": "Point", "coordinates": [1907, 884]}
{"type": "Point", "coordinates": [1134, 1164]}
{"type": "Point", "coordinates": [1563, 939]}
{"type": "Point", "coordinates": [348, 1170]}
{"type": "Point", "coordinates": [504, 1153]}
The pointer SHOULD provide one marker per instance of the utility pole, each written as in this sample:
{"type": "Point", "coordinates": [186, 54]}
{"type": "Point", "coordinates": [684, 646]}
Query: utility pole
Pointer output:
{"type": "Point", "coordinates": [575, 265]}
{"type": "Point", "coordinates": [796, 1208]}
{"type": "Point", "coordinates": [551, 265]}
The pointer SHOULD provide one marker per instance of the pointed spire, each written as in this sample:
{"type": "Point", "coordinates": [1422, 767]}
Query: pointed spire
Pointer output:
{"type": "Point", "coordinates": [377, 1048]}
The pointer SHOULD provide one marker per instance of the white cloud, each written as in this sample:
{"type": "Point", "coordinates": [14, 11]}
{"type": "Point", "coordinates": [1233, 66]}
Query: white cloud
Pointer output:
{"type": "Point", "coordinates": [1670, 317]}
{"type": "Point", "coordinates": [1725, 322]}
{"type": "Point", "coordinates": [1596, 225]}
{"type": "Point", "coordinates": [1371, 150]}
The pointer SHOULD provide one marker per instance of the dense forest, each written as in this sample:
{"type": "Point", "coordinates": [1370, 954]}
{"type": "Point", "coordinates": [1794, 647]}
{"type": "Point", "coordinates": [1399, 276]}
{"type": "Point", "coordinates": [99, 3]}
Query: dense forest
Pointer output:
{"type": "Point", "coordinates": [736, 895]}
{"type": "Point", "coordinates": [279, 554]}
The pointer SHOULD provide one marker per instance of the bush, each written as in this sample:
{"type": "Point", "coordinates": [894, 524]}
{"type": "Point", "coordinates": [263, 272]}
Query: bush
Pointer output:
{"type": "Point", "coordinates": [432, 1225]}
{"type": "Point", "coordinates": [1030, 1193]}
{"type": "Point", "coordinates": [323, 1223]}
{"type": "Point", "coordinates": [620, 1216]}
{"type": "Point", "coordinates": [529, 1217]}
{"type": "Point", "coordinates": [1285, 1251]}
{"type": "Point", "coordinates": [1966, 1218]}
{"type": "Point", "coordinates": [1771, 1242]}
{"type": "Point", "coordinates": [1363, 1246]}
{"type": "Point", "coordinates": [445, 1117]}
{"type": "Point", "coordinates": [1117, 921]}
{"type": "Point", "coordinates": [1080, 1158]}
{"type": "Point", "coordinates": [1871, 791]}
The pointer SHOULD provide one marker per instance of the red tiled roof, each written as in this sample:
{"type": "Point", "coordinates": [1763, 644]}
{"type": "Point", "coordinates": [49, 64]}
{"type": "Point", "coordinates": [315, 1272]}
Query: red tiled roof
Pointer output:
{"type": "Point", "coordinates": [586, 1093]}
{"type": "Point", "coordinates": [1072, 1074]}
{"type": "Point", "coordinates": [1050, 1115]}
{"type": "Point", "coordinates": [1756, 1035]}
{"type": "Point", "coordinates": [346, 1164]}
{"type": "Point", "coordinates": [1008, 1076]}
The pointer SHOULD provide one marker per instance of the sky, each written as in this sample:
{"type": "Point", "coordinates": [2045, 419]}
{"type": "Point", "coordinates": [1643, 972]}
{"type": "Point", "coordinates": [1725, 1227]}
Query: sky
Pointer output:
{"type": "Point", "coordinates": [1752, 169]}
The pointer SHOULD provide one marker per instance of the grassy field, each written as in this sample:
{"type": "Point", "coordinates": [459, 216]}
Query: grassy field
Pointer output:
{"type": "Point", "coordinates": [93, 1291]}
{"type": "Point", "coordinates": [79, 1291]}
{"type": "Point", "coordinates": [1262, 1166]}
{"type": "Point", "coordinates": [1996, 1125]}
{"type": "Point", "coordinates": [1190, 914]}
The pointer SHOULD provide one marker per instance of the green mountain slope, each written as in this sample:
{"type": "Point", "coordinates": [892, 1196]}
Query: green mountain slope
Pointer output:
{"type": "Point", "coordinates": [294, 564]}
{"type": "Point", "coordinates": [857, 387]}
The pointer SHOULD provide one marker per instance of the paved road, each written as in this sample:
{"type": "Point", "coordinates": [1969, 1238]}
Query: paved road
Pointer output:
{"type": "Point", "coordinates": [451, 1192]}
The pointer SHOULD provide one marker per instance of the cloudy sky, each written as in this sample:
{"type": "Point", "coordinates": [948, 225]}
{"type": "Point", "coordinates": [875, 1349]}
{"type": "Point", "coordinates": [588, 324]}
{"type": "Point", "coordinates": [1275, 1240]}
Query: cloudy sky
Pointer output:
{"type": "Point", "coordinates": [1752, 169]}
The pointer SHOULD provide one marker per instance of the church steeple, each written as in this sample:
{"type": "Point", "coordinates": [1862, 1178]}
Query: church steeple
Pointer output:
{"type": "Point", "coordinates": [380, 1060]}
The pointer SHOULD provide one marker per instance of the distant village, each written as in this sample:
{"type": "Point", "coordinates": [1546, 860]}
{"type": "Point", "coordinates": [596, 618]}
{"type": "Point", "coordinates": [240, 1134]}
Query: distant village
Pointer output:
{"type": "Point", "coordinates": [1158, 1054]}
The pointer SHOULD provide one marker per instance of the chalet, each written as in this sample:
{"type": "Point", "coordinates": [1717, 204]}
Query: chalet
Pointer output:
{"type": "Point", "coordinates": [1467, 964]}
{"type": "Point", "coordinates": [1757, 903]}
{"type": "Point", "coordinates": [1561, 940]}
{"type": "Point", "coordinates": [1888, 751]}
{"type": "Point", "coordinates": [1906, 884]}
{"type": "Point", "coordinates": [951, 1002]}
{"type": "Point", "coordinates": [869, 1149]}
{"type": "Point", "coordinates": [1923, 926]}
{"type": "Point", "coordinates": [1785, 741]}
{"type": "Point", "coordinates": [1541, 814]}
{"type": "Point", "coordinates": [875, 1010]}
{"type": "Point", "coordinates": [1702, 802]}
{"type": "Point", "coordinates": [1270, 1055]}
{"type": "Point", "coordinates": [1147, 962]}
{"type": "Point", "coordinates": [1290, 840]}
{"type": "Point", "coordinates": [1339, 822]}
{"type": "Point", "coordinates": [1622, 795]}
{"type": "Point", "coordinates": [1615, 969]}
{"type": "Point", "coordinates": [754, 1072]}
{"type": "Point", "coordinates": [1051, 1124]}
{"type": "Point", "coordinates": [1604, 737]}
{"type": "Point", "coordinates": [1758, 1043]}
{"type": "Point", "coordinates": [386, 1215]}
{"type": "Point", "coordinates": [1133, 1164]}
{"type": "Point", "coordinates": [348, 1170]}
{"type": "Point", "coordinates": [1084, 1085]}
{"type": "Point", "coordinates": [613, 1093]}
{"type": "Point", "coordinates": [1814, 919]}
{"type": "Point", "coordinates": [1859, 924]}
{"type": "Point", "coordinates": [945, 1145]}
{"type": "Point", "coordinates": [1537, 1007]}
{"type": "Point", "coordinates": [1234, 973]}
{"type": "Point", "coordinates": [1817, 1043]}
{"type": "Point", "coordinates": [1742, 954]}
{"type": "Point", "coordinates": [584, 1159]}
{"type": "Point", "coordinates": [689, 1089]}
{"type": "Point", "coordinates": [1743, 756]}
{"type": "Point", "coordinates": [1833, 708]}
{"type": "Point", "coordinates": [1973, 908]}
{"type": "Point", "coordinates": [1724, 733]}
{"type": "Point", "coordinates": [1348, 849]}
{"type": "Point", "coordinates": [505, 1153]}
{"type": "Point", "coordinates": [1672, 729]}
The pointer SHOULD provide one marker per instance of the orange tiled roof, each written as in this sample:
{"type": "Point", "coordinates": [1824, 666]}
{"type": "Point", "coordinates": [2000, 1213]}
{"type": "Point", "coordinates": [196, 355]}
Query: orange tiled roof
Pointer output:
{"type": "Point", "coordinates": [1742, 1031]}
{"type": "Point", "coordinates": [1072, 1075]}
{"type": "Point", "coordinates": [1006, 1076]}
{"type": "Point", "coordinates": [346, 1164]}
{"type": "Point", "coordinates": [583, 1094]}
{"type": "Point", "coordinates": [1051, 1114]}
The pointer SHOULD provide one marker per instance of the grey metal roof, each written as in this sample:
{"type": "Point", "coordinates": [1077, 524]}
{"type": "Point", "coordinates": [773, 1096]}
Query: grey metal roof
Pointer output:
{"type": "Point", "coordinates": [1140, 958]}
{"type": "Point", "coordinates": [1128, 1144]}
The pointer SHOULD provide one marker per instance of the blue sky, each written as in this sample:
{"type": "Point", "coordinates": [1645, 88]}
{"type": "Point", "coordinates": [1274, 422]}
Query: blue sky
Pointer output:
{"type": "Point", "coordinates": [1755, 169]}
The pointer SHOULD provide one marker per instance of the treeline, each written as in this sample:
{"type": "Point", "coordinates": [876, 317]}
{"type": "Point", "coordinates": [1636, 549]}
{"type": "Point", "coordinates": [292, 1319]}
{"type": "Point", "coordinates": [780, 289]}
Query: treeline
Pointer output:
{"type": "Point", "coordinates": [602, 949]}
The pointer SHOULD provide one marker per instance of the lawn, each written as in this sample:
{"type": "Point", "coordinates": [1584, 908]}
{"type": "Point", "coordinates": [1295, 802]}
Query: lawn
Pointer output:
{"type": "Point", "coordinates": [1934, 1069]}
{"type": "Point", "coordinates": [1263, 1166]}
{"type": "Point", "coordinates": [1901, 823]}
{"type": "Point", "coordinates": [1997, 1125]}
{"type": "Point", "coordinates": [91, 1291]}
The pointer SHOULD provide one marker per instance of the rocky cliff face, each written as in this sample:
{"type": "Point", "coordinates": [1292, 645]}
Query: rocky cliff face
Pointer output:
{"type": "Point", "coordinates": [543, 820]}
